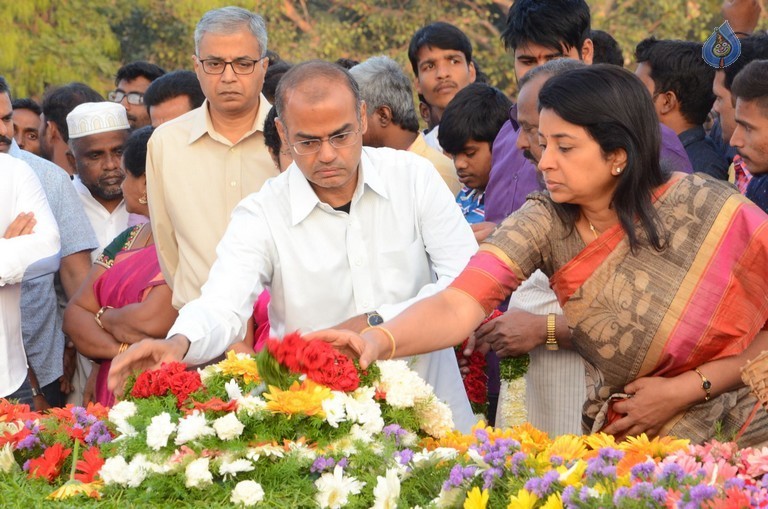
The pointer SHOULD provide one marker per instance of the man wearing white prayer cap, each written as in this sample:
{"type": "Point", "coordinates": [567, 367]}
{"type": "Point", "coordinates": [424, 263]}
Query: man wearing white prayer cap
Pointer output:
{"type": "Point", "coordinates": [97, 132]}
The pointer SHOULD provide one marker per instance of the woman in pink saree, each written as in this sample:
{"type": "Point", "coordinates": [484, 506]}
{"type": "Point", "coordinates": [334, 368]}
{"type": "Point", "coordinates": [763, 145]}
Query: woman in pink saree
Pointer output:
{"type": "Point", "coordinates": [125, 298]}
{"type": "Point", "coordinates": [663, 279]}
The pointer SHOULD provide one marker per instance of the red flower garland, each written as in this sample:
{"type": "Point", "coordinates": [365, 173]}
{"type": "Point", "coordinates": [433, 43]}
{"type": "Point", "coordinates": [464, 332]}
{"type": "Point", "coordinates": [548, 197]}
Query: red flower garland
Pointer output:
{"type": "Point", "coordinates": [172, 377]}
{"type": "Point", "coordinates": [476, 381]}
{"type": "Point", "coordinates": [316, 359]}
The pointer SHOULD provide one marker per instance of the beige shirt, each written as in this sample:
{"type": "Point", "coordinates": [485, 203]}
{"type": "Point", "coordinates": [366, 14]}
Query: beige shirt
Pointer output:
{"type": "Point", "coordinates": [195, 177]}
{"type": "Point", "coordinates": [440, 161]}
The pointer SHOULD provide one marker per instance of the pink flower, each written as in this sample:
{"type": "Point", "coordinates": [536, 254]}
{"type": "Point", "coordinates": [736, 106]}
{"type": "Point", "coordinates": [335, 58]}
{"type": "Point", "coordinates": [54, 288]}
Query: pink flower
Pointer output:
{"type": "Point", "coordinates": [756, 461]}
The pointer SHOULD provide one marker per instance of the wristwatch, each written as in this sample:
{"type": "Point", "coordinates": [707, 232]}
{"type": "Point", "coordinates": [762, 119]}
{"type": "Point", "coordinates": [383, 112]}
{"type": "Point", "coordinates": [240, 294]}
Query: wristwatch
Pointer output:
{"type": "Point", "coordinates": [35, 392]}
{"type": "Point", "coordinates": [551, 343]}
{"type": "Point", "coordinates": [374, 319]}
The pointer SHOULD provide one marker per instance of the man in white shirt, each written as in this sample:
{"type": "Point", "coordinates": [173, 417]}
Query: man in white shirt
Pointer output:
{"type": "Point", "coordinates": [97, 132]}
{"type": "Point", "coordinates": [24, 254]}
{"type": "Point", "coordinates": [344, 232]}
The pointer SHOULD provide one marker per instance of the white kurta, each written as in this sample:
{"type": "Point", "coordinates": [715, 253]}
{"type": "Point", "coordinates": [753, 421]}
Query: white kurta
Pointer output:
{"type": "Point", "coordinates": [403, 239]}
{"type": "Point", "coordinates": [23, 257]}
{"type": "Point", "coordinates": [106, 224]}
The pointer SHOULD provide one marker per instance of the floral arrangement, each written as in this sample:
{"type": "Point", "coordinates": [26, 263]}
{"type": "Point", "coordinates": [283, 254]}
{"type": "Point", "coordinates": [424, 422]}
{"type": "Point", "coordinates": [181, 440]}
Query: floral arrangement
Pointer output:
{"type": "Point", "coordinates": [299, 425]}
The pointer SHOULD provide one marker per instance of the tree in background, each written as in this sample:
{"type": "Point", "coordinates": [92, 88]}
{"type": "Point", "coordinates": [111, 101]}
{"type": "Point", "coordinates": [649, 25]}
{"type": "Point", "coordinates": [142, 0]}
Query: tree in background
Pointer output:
{"type": "Point", "coordinates": [52, 42]}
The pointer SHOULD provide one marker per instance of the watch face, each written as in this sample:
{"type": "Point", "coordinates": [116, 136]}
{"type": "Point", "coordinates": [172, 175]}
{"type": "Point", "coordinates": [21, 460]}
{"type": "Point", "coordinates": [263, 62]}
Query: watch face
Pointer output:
{"type": "Point", "coordinates": [374, 319]}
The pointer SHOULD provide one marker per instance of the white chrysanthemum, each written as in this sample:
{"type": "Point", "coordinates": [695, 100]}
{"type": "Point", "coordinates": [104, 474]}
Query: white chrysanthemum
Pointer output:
{"type": "Point", "coordinates": [363, 409]}
{"type": "Point", "coordinates": [232, 468]}
{"type": "Point", "coordinates": [334, 408]}
{"type": "Point", "coordinates": [387, 490]}
{"type": "Point", "coordinates": [192, 427]}
{"type": "Point", "coordinates": [158, 431]}
{"type": "Point", "coordinates": [233, 390]}
{"type": "Point", "coordinates": [426, 457]}
{"type": "Point", "coordinates": [334, 489]}
{"type": "Point", "coordinates": [197, 474]}
{"type": "Point", "coordinates": [119, 415]}
{"type": "Point", "coordinates": [403, 386]}
{"type": "Point", "coordinates": [11, 427]}
{"type": "Point", "coordinates": [448, 498]}
{"type": "Point", "coordinates": [208, 371]}
{"type": "Point", "coordinates": [7, 460]}
{"type": "Point", "coordinates": [266, 450]}
{"type": "Point", "coordinates": [117, 471]}
{"type": "Point", "coordinates": [436, 418]}
{"type": "Point", "coordinates": [228, 427]}
{"type": "Point", "coordinates": [302, 451]}
{"type": "Point", "coordinates": [250, 405]}
{"type": "Point", "coordinates": [247, 493]}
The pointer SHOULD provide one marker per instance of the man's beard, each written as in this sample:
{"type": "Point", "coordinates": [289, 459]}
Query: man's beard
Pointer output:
{"type": "Point", "coordinates": [3, 139]}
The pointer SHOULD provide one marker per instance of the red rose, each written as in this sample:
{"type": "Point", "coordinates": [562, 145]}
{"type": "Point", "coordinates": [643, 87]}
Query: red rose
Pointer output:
{"type": "Point", "coordinates": [183, 384]}
{"type": "Point", "coordinates": [316, 354]}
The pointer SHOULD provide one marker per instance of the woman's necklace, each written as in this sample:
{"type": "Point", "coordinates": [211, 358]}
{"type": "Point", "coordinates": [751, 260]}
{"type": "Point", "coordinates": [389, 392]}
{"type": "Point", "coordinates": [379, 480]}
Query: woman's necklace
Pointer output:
{"type": "Point", "coordinates": [592, 227]}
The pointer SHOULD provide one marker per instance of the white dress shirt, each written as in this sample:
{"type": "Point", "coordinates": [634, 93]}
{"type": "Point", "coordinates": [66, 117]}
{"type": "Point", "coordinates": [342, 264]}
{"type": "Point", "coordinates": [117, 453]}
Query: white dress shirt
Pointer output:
{"type": "Point", "coordinates": [106, 224]}
{"type": "Point", "coordinates": [23, 257]}
{"type": "Point", "coordinates": [324, 266]}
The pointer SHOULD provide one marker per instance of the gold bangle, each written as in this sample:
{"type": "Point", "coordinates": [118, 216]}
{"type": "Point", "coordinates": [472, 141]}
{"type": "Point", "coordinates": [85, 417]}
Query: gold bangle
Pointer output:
{"type": "Point", "coordinates": [99, 313]}
{"type": "Point", "coordinates": [389, 335]}
{"type": "Point", "coordinates": [123, 348]}
{"type": "Point", "coordinates": [551, 343]}
{"type": "Point", "coordinates": [706, 385]}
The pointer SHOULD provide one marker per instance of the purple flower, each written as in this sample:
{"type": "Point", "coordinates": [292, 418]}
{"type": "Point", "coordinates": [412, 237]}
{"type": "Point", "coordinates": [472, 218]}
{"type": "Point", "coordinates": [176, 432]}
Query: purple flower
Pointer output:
{"type": "Point", "coordinates": [541, 486]}
{"type": "Point", "coordinates": [609, 454]}
{"type": "Point", "coordinates": [394, 431]}
{"type": "Point", "coordinates": [734, 482]}
{"type": "Point", "coordinates": [490, 475]}
{"type": "Point", "coordinates": [457, 476]}
{"type": "Point", "coordinates": [643, 471]}
{"type": "Point", "coordinates": [343, 462]}
{"type": "Point", "coordinates": [404, 457]}
{"type": "Point", "coordinates": [98, 434]}
{"type": "Point", "coordinates": [556, 461]}
{"type": "Point", "coordinates": [28, 442]}
{"type": "Point", "coordinates": [659, 495]}
{"type": "Point", "coordinates": [321, 464]}
{"type": "Point", "coordinates": [700, 493]}
{"type": "Point", "coordinates": [672, 474]}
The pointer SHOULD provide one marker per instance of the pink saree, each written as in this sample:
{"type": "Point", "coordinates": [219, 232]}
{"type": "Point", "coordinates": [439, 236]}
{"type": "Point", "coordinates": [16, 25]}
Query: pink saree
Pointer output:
{"type": "Point", "coordinates": [128, 281]}
{"type": "Point", "coordinates": [703, 297]}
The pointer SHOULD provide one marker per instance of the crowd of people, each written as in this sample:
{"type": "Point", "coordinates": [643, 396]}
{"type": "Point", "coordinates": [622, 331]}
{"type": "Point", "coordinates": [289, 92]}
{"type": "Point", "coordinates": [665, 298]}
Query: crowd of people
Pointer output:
{"type": "Point", "coordinates": [617, 219]}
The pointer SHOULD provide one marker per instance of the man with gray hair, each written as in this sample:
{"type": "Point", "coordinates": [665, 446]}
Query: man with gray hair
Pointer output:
{"type": "Point", "coordinates": [392, 120]}
{"type": "Point", "coordinates": [201, 164]}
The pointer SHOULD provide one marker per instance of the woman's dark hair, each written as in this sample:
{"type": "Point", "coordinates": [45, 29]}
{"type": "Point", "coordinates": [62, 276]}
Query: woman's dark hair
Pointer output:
{"type": "Point", "coordinates": [135, 151]}
{"type": "Point", "coordinates": [271, 137]}
{"type": "Point", "coordinates": [615, 108]}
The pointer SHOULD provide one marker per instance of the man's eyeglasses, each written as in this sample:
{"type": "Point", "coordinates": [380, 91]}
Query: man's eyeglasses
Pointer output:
{"type": "Point", "coordinates": [340, 140]}
{"type": "Point", "coordinates": [135, 98]}
{"type": "Point", "coordinates": [239, 66]}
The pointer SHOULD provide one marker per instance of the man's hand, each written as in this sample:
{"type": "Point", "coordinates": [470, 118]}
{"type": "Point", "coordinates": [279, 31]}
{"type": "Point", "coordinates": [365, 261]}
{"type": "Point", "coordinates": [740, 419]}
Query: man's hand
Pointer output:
{"type": "Point", "coordinates": [146, 354]}
{"type": "Point", "coordinates": [482, 230]}
{"type": "Point", "coordinates": [742, 15]}
{"type": "Point", "coordinates": [355, 324]}
{"type": "Point", "coordinates": [22, 225]}
{"type": "Point", "coordinates": [70, 364]}
{"type": "Point", "coordinates": [351, 344]}
{"type": "Point", "coordinates": [514, 333]}
{"type": "Point", "coordinates": [89, 391]}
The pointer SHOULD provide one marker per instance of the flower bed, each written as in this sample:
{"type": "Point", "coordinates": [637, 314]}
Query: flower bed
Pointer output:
{"type": "Point", "coordinates": [302, 426]}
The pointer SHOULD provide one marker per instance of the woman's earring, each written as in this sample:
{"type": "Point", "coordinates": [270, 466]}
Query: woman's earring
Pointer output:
{"type": "Point", "coordinates": [143, 200]}
{"type": "Point", "coordinates": [619, 169]}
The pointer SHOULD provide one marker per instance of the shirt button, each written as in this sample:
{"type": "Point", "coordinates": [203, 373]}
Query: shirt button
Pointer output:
{"type": "Point", "coordinates": [358, 262]}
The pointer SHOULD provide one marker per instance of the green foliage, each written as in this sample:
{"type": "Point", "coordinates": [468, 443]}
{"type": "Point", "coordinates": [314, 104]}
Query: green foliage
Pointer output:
{"type": "Point", "coordinates": [512, 368]}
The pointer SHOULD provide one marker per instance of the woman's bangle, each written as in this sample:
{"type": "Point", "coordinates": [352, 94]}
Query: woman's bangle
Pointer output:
{"type": "Point", "coordinates": [706, 385]}
{"type": "Point", "coordinates": [123, 348]}
{"type": "Point", "coordinates": [389, 335]}
{"type": "Point", "coordinates": [99, 313]}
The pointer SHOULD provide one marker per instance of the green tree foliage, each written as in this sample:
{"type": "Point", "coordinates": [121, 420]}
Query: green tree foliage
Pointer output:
{"type": "Point", "coordinates": [51, 42]}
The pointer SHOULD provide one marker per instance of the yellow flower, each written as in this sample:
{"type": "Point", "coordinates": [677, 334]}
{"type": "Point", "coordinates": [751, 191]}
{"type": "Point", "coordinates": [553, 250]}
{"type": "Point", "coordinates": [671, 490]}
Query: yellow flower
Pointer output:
{"type": "Point", "coordinates": [553, 502]}
{"type": "Point", "coordinates": [73, 488]}
{"type": "Point", "coordinates": [599, 441]}
{"type": "Point", "coordinates": [568, 447]}
{"type": "Point", "coordinates": [240, 365]}
{"type": "Point", "coordinates": [305, 398]}
{"type": "Point", "coordinates": [531, 439]}
{"type": "Point", "coordinates": [574, 475]}
{"type": "Point", "coordinates": [453, 439]}
{"type": "Point", "coordinates": [476, 499]}
{"type": "Point", "coordinates": [523, 500]}
{"type": "Point", "coordinates": [640, 449]}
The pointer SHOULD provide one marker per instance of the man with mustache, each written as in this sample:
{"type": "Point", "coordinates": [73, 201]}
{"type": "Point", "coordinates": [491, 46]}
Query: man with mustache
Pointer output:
{"type": "Point", "coordinates": [132, 80]}
{"type": "Point", "coordinates": [97, 132]}
{"type": "Point", "coordinates": [441, 58]}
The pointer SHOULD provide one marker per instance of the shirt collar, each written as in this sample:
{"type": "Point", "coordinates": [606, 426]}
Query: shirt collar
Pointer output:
{"type": "Point", "coordinates": [202, 123]}
{"type": "Point", "coordinates": [15, 150]}
{"type": "Point", "coordinates": [692, 135]}
{"type": "Point", "coordinates": [302, 197]}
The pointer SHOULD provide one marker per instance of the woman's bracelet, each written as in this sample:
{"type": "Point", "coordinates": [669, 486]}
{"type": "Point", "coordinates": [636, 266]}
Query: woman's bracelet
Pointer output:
{"type": "Point", "coordinates": [123, 348]}
{"type": "Point", "coordinates": [99, 313]}
{"type": "Point", "coordinates": [389, 335]}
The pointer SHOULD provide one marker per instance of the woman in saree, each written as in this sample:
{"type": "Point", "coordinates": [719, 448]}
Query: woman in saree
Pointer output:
{"type": "Point", "coordinates": [124, 298]}
{"type": "Point", "coordinates": [663, 279]}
